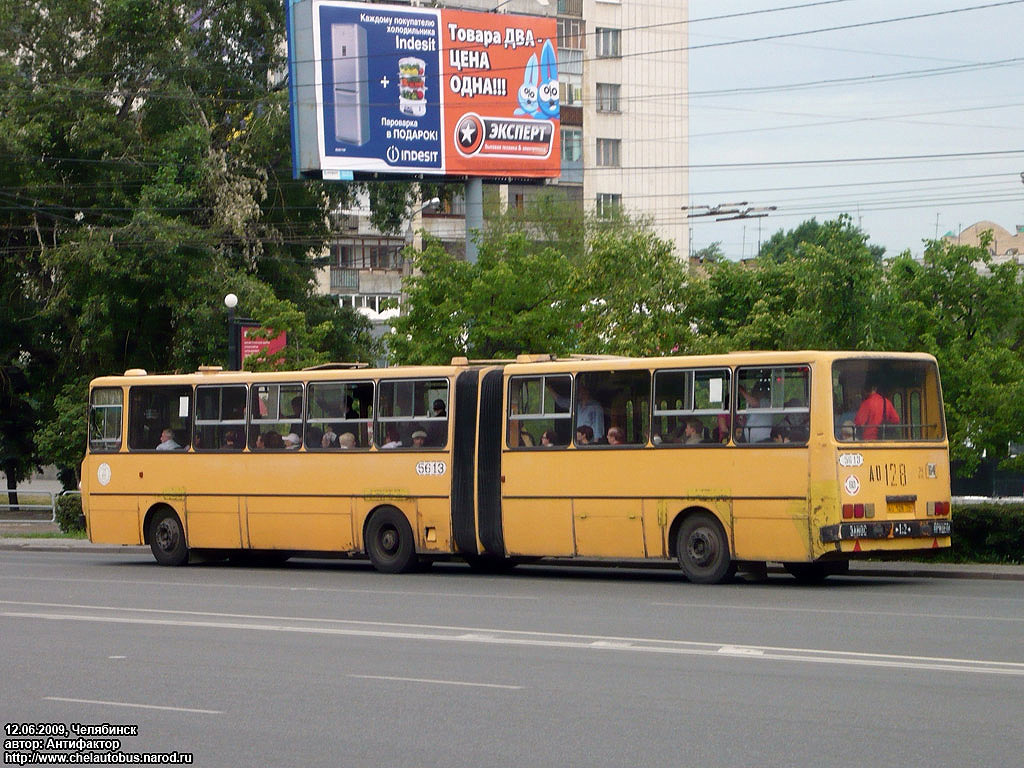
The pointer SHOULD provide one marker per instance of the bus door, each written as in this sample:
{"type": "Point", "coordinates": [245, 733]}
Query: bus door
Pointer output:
{"type": "Point", "coordinates": [606, 473]}
{"type": "Point", "coordinates": [536, 504]}
{"type": "Point", "coordinates": [771, 472]}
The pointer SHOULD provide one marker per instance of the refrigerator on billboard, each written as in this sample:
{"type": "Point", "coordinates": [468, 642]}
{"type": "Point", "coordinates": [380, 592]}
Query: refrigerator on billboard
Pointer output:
{"type": "Point", "coordinates": [351, 87]}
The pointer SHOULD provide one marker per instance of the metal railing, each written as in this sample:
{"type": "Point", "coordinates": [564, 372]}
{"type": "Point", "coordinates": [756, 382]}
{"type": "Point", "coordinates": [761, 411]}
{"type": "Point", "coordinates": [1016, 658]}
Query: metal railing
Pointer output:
{"type": "Point", "coordinates": [21, 512]}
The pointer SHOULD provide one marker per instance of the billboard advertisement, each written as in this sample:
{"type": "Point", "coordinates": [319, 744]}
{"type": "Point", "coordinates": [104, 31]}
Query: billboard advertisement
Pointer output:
{"type": "Point", "coordinates": [381, 89]}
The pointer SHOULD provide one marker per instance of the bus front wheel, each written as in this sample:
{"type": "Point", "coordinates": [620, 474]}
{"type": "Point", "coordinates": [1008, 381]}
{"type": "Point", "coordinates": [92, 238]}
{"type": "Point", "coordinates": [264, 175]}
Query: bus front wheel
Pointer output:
{"type": "Point", "coordinates": [167, 538]}
{"type": "Point", "coordinates": [389, 542]}
{"type": "Point", "coordinates": [703, 550]}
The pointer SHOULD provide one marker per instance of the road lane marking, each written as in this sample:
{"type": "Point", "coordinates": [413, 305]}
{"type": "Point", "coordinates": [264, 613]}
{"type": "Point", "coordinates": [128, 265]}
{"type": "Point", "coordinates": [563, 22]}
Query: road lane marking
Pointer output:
{"type": "Point", "coordinates": [839, 611]}
{"type": "Point", "coordinates": [521, 638]}
{"type": "Point", "coordinates": [437, 682]}
{"type": "Point", "coordinates": [136, 706]}
{"type": "Point", "coordinates": [266, 587]}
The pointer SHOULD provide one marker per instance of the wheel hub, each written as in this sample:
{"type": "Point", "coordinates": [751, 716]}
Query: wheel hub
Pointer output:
{"type": "Point", "coordinates": [389, 540]}
{"type": "Point", "coordinates": [166, 537]}
{"type": "Point", "coordinates": [701, 548]}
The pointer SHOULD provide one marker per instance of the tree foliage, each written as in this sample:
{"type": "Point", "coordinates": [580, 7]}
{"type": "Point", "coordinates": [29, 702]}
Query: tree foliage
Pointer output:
{"type": "Point", "coordinates": [973, 322]}
{"type": "Point", "coordinates": [543, 285]}
{"type": "Point", "coordinates": [144, 173]}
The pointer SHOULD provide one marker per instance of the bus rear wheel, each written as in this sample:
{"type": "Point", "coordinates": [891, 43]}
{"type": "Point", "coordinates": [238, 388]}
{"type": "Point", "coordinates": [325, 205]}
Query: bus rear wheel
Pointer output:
{"type": "Point", "coordinates": [167, 538]}
{"type": "Point", "coordinates": [703, 550]}
{"type": "Point", "coordinates": [389, 542]}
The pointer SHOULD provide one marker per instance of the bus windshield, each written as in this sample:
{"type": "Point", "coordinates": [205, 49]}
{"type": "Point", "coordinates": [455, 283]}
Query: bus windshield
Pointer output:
{"type": "Point", "coordinates": [886, 399]}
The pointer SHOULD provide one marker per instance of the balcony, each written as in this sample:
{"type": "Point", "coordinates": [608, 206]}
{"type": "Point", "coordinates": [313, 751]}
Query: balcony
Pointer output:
{"type": "Point", "coordinates": [344, 280]}
{"type": "Point", "coordinates": [570, 7]}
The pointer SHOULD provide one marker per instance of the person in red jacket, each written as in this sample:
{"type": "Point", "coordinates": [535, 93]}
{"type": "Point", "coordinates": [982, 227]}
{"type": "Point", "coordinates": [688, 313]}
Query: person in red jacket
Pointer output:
{"type": "Point", "coordinates": [875, 410]}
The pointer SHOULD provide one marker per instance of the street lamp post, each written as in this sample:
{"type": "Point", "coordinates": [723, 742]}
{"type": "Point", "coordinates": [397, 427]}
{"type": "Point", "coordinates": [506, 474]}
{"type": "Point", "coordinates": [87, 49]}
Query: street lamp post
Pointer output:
{"type": "Point", "coordinates": [231, 301]}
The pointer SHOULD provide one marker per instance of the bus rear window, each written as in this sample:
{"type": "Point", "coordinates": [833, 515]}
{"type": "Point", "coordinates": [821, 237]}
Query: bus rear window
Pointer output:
{"type": "Point", "coordinates": [886, 399]}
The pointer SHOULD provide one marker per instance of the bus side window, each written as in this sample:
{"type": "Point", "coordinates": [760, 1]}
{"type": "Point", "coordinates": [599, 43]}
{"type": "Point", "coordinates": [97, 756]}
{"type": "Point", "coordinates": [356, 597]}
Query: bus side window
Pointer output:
{"type": "Point", "coordinates": [339, 415]}
{"type": "Point", "coordinates": [406, 416]}
{"type": "Point", "coordinates": [773, 406]}
{"type": "Point", "coordinates": [691, 407]}
{"type": "Point", "coordinates": [607, 400]}
{"type": "Point", "coordinates": [275, 421]}
{"type": "Point", "coordinates": [538, 411]}
{"type": "Point", "coordinates": [155, 410]}
{"type": "Point", "coordinates": [220, 418]}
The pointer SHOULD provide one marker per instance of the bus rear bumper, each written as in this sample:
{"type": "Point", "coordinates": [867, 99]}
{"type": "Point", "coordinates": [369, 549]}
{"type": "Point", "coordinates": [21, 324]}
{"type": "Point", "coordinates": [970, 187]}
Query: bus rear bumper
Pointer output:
{"type": "Point", "coordinates": [886, 529]}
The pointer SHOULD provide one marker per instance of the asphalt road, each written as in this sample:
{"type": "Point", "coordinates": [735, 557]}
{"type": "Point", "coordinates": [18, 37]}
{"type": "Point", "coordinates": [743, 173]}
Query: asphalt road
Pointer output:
{"type": "Point", "coordinates": [329, 663]}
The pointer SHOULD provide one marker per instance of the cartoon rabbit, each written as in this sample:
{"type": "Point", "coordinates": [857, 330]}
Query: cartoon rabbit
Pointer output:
{"type": "Point", "coordinates": [548, 98]}
{"type": "Point", "coordinates": [528, 90]}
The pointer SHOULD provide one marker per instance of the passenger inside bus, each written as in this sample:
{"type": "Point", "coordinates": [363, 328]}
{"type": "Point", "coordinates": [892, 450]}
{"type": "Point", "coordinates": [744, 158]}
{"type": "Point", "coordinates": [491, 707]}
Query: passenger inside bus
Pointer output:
{"type": "Point", "coordinates": [271, 441]}
{"type": "Point", "coordinates": [616, 436]}
{"type": "Point", "coordinates": [874, 411]}
{"type": "Point", "coordinates": [167, 441]}
{"type": "Point", "coordinates": [392, 440]}
{"type": "Point", "coordinates": [347, 440]}
{"type": "Point", "coordinates": [584, 435]}
{"type": "Point", "coordinates": [314, 437]}
{"type": "Point", "coordinates": [589, 413]}
{"type": "Point", "coordinates": [694, 432]}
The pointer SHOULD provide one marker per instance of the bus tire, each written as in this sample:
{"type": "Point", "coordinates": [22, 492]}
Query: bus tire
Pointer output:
{"type": "Point", "coordinates": [167, 538]}
{"type": "Point", "coordinates": [703, 550]}
{"type": "Point", "coordinates": [389, 542]}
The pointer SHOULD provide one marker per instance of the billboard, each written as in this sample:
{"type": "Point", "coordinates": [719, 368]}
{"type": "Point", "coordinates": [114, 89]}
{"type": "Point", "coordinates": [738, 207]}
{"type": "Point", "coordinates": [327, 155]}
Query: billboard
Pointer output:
{"type": "Point", "coordinates": [381, 89]}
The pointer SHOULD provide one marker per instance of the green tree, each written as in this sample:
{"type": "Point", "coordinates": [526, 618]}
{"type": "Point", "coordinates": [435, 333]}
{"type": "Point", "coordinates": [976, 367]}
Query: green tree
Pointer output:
{"type": "Point", "coordinates": [512, 300]}
{"type": "Point", "coordinates": [543, 284]}
{"type": "Point", "coordinates": [629, 287]}
{"type": "Point", "coordinates": [972, 320]}
{"type": "Point", "coordinates": [821, 294]}
{"type": "Point", "coordinates": [144, 173]}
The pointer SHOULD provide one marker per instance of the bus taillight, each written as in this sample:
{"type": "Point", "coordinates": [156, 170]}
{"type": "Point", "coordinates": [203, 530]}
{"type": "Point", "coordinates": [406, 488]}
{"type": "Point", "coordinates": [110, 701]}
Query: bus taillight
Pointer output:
{"type": "Point", "coordinates": [938, 508]}
{"type": "Point", "coordinates": [847, 511]}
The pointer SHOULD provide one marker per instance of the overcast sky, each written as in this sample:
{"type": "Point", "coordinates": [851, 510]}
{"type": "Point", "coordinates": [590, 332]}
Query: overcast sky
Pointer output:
{"type": "Point", "coordinates": [899, 203]}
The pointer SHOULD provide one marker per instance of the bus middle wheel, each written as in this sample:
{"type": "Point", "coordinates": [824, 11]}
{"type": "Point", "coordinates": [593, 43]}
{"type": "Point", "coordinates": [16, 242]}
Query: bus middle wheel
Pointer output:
{"type": "Point", "coordinates": [389, 542]}
{"type": "Point", "coordinates": [703, 550]}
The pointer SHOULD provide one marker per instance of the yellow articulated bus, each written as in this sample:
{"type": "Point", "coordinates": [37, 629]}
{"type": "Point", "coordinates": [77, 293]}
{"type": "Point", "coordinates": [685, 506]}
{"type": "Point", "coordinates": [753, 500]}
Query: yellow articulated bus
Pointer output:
{"type": "Point", "coordinates": [804, 458]}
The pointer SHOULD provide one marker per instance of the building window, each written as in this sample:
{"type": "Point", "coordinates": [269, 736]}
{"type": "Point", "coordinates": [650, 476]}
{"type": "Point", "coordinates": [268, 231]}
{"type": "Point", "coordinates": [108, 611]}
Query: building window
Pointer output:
{"type": "Point", "coordinates": [572, 156]}
{"type": "Point", "coordinates": [571, 34]}
{"type": "Point", "coordinates": [607, 40]}
{"type": "Point", "coordinates": [570, 7]}
{"type": "Point", "coordinates": [570, 76]}
{"type": "Point", "coordinates": [608, 97]}
{"type": "Point", "coordinates": [608, 204]}
{"type": "Point", "coordinates": [608, 152]}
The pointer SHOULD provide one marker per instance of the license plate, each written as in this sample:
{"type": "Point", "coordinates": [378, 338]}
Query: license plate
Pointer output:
{"type": "Point", "coordinates": [858, 531]}
{"type": "Point", "coordinates": [900, 509]}
{"type": "Point", "coordinates": [942, 528]}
